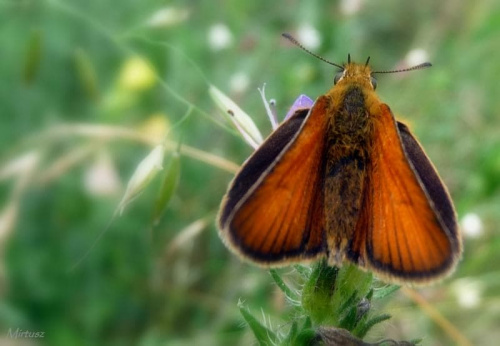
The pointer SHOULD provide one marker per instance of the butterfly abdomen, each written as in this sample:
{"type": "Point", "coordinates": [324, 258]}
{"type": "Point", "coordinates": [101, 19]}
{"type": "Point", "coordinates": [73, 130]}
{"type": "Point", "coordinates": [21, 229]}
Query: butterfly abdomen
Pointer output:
{"type": "Point", "coordinates": [349, 137]}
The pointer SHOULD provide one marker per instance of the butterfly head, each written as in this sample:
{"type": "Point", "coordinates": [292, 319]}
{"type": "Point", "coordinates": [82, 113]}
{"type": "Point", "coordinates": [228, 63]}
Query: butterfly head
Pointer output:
{"type": "Point", "coordinates": [360, 74]}
{"type": "Point", "coordinates": [354, 73]}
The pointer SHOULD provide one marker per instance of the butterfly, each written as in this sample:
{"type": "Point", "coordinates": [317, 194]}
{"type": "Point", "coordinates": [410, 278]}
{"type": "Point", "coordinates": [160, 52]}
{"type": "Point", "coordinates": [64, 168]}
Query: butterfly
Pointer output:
{"type": "Point", "coordinates": [344, 181]}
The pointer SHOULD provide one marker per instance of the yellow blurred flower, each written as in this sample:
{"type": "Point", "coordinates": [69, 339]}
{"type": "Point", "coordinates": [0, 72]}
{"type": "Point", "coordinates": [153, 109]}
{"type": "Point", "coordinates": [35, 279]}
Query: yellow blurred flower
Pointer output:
{"type": "Point", "coordinates": [136, 75]}
{"type": "Point", "coordinates": [156, 126]}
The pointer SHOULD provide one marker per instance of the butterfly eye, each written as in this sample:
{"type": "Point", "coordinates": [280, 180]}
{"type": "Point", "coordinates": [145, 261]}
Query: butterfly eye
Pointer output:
{"type": "Point", "coordinates": [337, 77]}
{"type": "Point", "coordinates": [374, 83]}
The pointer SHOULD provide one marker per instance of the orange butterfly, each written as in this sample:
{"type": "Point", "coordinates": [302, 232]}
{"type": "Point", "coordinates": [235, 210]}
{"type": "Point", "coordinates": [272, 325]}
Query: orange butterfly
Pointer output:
{"type": "Point", "coordinates": [344, 181]}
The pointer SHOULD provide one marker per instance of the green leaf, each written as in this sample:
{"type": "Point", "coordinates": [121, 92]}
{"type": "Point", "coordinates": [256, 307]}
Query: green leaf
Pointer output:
{"type": "Point", "coordinates": [385, 291]}
{"type": "Point", "coordinates": [263, 335]}
{"type": "Point", "coordinates": [281, 284]}
{"type": "Point", "coordinates": [307, 323]}
{"type": "Point", "coordinates": [169, 185]}
{"type": "Point", "coordinates": [369, 296]}
{"type": "Point", "coordinates": [363, 328]}
{"type": "Point", "coordinates": [304, 271]}
{"type": "Point", "coordinates": [292, 334]}
{"type": "Point", "coordinates": [351, 279]}
{"type": "Point", "coordinates": [349, 302]}
{"type": "Point", "coordinates": [87, 74]}
{"type": "Point", "coordinates": [348, 320]}
{"type": "Point", "coordinates": [317, 293]}
{"type": "Point", "coordinates": [33, 57]}
{"type": "Point", "coordinates": [305, 337]}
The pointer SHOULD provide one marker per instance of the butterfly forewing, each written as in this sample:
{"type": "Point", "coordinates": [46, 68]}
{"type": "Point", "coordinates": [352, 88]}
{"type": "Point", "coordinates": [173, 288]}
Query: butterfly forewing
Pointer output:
{"type": "Point", "coordinates": [403, 233]}
{"type": "Point", "coordinates": [257, 164]}
{"type": "Point", "coordinates": [433, 185]}
{"type": "Point", "coordinates": [281, 215]}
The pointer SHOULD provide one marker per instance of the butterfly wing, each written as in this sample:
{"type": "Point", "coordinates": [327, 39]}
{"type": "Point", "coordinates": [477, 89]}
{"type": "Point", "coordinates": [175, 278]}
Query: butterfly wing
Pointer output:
{"type": "Point", "coordinates": [273, 211]}
{"type": "Point", "coordinates": [407, 228]}
{"type": "Point", "coordinates": [258, 162]}
{"type": "Point", "coordinates": [429, 177]}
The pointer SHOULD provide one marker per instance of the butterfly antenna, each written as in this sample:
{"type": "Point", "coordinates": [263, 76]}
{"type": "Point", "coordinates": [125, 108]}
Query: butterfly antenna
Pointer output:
{"type": "Point", "coordinates": [367, 61]}
{"type": "Point", "coordinates": [417, 67]}
{"type": "Point", "coordinates": [295, 42]}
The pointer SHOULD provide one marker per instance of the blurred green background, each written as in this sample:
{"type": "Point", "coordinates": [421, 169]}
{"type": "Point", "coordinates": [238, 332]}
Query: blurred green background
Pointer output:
{"type": "Point", "coordinates": [88, 87]}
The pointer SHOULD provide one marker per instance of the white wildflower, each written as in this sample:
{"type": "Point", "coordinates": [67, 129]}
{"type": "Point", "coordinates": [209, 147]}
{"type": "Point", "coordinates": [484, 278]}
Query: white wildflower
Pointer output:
{"type": "Point", "coordinates": [350, 7]}
{"type": "Point", "coordinates": [416, 56]}
{"type": "Point", "coordinates": [239, 82]}
{"type": "Point", "coordinates": [472, 226]}
{"type": "Point", "coordinates": [219, 37]}
{"type": "Point", "coordinates": [309, 36]}
{"type": "Point", "coordinates": [101, 178]}
{"type": "Point", "coordinates": [168, 16]}
{"type": "Point", "coordinates": [468, 292]}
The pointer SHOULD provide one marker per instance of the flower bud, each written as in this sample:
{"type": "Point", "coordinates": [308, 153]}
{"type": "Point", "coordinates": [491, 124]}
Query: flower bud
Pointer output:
{"type": "Point", "coordinates": [242, 121]}
{"type": "Point", "coordinates": [144, 173]}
